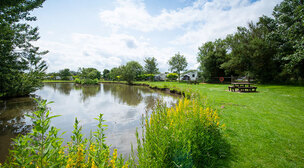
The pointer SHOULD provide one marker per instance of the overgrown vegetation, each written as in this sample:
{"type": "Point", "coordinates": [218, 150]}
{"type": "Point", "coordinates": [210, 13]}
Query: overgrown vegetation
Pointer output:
{"type": "Point", "coordinates": [43, 147]}
{"type": "Point", "coordinates": [264, 129]}
{"type": "Point", "coordinates": [86, 81]}
{"type": "Point", "coordinates": [187, 135]}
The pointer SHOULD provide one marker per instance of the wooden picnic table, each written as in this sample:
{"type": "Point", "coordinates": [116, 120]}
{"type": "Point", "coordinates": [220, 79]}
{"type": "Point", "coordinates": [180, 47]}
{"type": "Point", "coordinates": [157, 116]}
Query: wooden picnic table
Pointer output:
{"type": "Point", "coordinates": [242, 87]}
{"type": "Point", "coordinates": [242, 84]}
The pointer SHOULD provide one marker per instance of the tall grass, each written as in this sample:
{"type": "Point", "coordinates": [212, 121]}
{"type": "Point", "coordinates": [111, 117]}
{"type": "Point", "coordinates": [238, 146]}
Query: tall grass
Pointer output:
{"type": "Point", "coordinates": [187, 135]}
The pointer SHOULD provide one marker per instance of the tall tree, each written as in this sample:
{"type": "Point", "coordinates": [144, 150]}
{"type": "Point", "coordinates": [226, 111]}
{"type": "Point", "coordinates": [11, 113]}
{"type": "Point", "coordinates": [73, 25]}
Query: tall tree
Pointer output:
{"type": "Point", "coordinates": [289, 36]}
{"type": "Point", "coordinates": [151, 65]}
{"type": "Point", "coordinates": [106, 74]}
{"type": "Point", "coordinates": [89, 73]}
{"type": "Point", "coordinates": [211, 56]}
{"type": "Point", "coordinates": [21, 66]}
{"type": "Point", "coordinates": [177, 64]}
{"type": "Point", "coordinates": [131, 70]}
{"type": "Point", "coordinates": [65, 74]}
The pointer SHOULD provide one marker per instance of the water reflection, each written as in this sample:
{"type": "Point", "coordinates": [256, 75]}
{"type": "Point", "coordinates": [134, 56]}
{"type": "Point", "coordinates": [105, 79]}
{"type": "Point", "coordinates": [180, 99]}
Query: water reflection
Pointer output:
{"type": "Point", "coordinates": [63, 88]}
{"type": "Point", "coordinates": [124, 94]}
{"type": "Point", "coordinates": [122, 106]}
{"type": "Point", "coordinates": [87, 91]}
{"type": "Point", "coordinates": [13, 121]}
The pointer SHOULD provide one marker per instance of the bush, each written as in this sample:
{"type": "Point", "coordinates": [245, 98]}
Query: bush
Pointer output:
{"type": "Point", "coordinates": [44, 148]}
{"type": "Point", "coordinates": [86, 81]}
{"type": "Point", "coordinates": [188, 135]}
{"type": "Point", "coordinates": [172, 76]}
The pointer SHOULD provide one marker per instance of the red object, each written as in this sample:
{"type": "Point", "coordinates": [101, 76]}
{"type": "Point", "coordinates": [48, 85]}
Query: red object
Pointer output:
{"type": "Point", "coordinates": [221, 79]}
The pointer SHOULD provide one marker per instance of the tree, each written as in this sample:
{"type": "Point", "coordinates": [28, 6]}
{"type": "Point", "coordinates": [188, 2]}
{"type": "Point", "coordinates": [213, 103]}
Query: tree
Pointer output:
{"type": "Point", "coordinates": [289, 36]}
{"type": "Point", "coordinates": [211, 56]}
{"type": "Point", "coordinates": [131, 70]}
{"type": "Point", "coordinates": [150, 66]}
{"type": "Point", "coordinates": [21, 66]}
{"type": "Point", "coordinates": [106, 74]}
{"type": "Point", "coordinates": [115, 72]}
{"type": "Point", "coordinates": [64, 74]}
{"type": "Point", "coordinates": [89, 73]}
{"type": "Point", "coordinates": [177, 64]}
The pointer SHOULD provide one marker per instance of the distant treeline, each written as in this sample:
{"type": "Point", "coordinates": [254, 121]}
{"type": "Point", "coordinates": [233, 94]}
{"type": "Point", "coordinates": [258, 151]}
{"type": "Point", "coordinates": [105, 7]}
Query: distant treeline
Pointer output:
{"type": "Point", "coordinates": [271, 50]}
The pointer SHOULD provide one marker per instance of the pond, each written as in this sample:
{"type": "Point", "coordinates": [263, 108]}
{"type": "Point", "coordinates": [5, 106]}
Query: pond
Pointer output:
{"type": "Point", "coordinates": [122, 105]}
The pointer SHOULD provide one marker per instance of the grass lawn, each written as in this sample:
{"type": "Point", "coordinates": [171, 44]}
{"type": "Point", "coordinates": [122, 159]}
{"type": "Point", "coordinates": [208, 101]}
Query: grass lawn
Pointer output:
{"type": "Point", "coordinates": [265, 129]}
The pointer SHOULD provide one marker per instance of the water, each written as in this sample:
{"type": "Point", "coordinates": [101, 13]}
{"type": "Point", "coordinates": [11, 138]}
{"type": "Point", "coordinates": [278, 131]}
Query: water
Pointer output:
{"type": "Point", "coordinates": [122, 106]}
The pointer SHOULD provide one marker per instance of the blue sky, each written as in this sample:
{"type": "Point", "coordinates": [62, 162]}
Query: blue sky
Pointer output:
{"type": "Point", "coordinates": [105, 34]}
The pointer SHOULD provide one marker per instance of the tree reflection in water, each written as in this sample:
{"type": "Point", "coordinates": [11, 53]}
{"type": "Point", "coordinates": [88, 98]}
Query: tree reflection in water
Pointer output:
{"type": "Point", "coordinates": [13, 121]}
{"type": "Point", "coordinates": [87, 91]}
{"type": "Point", "coordinates": [63, 88]}
{"type": "Point", "coordinates": [126, 94]}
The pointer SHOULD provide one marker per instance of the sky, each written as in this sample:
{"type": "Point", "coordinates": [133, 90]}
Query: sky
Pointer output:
{"type": "Point", "coordinates": [104, 34]}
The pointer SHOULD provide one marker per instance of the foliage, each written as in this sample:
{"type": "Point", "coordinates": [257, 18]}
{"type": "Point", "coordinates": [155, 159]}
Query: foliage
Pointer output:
{"type": "Point", "coordinates": [289, 36]}
{"type": "Point", "coordinates": [89, 73]}
{"type": "Point", "coordinates": [130, 71]}
{"type": "Point", "coordinates": [172, 76]}
{"type": "Point", "coordinates": [87, 81]}
{"type": "Point", "coordinates": [44, 148]}
{"type": "Point", "coordinates": [64, 74]}
{"type": "Point", "coordinates": [188, 135]}
{"type": "Point", "coordinates": [269, 50]}
{"type": "Point", "coordinates": [177, 64]}
{"type": "Point", "coordinates": [106, 74]}
{"type": "Point", "coordinates": [151, 66]}
{"type": "Point", "coordinates": [210, 56]}
{"type": "Point", "coordinates": [21, 66]}
{"type": "Point", "coordinates": [145, 77]}
{"type": "Point", "coordinates": [256, 123]}
{"type": "Point", "coordinates": [116, 71]}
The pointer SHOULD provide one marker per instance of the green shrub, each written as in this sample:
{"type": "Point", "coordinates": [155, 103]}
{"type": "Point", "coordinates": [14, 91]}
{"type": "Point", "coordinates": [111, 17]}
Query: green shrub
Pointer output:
{"type": "Point", "coordinates": [44, 148]}
{"type": "Point", "coordinates": [86, 81]}
{"type": "Point", "coordinates": [187, 135]}
{"type": "Point", "coordinates": [172, 76]}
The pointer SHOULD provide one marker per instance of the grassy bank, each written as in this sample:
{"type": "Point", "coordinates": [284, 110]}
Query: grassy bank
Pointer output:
{"type": "Point", "coordinates": [265, 128]}
{"type": "Point", "coordinates": [58, 81]}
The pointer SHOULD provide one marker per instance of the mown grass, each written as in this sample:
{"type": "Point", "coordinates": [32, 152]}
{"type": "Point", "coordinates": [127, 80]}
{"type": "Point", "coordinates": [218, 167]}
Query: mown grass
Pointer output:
{"type": "Point", "coordinates": [264, 129]}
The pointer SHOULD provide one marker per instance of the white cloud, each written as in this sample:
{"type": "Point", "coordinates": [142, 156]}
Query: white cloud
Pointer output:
{"type": "Point", "coordinates": [133, 14]}
{"type": "Point", "coordinates": [202, 21]}
{"type": "Point", "coordinates": [87, 50]}
{"type": "Point", "coordinates": [218, 22]}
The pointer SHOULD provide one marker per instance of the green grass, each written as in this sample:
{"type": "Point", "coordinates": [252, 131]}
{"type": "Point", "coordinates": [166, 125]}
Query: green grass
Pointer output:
{"type": "Point", "coordinates": [265, 129]}
{"type": "Point", "coordinates": [58, 81]}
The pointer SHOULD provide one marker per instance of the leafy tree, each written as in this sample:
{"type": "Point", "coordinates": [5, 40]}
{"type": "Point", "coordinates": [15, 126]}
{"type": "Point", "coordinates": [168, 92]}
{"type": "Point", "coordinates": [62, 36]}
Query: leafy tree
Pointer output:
{"type": "Point", "coordinates": [115, 72]}
{"type": "Point", "coordinates": [131, 70]}
{"type": "Point", "coordinates": [21, 66]}
{"type": "Point", "coordinates": [289, 36]}
{"type": "Point", "coordinates": [89, 73]}
{"type": "Point", "coordinates": [64, 74]}
{"type": "Point", "coordinates": [211, 56]}
{"type": "Point", "coordinates": [106, 74]}
{"type": "Point", "coordinates": [177, 64]}
{"type": "Point", "coordinates": [150, 66]}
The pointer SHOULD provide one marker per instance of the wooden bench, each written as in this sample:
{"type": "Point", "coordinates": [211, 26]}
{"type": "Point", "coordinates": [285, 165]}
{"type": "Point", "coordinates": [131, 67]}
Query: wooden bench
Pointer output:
{"type": "Point", "coordinates": [247, 89]}
{"type": "Point", "coordinates": [232, 88]}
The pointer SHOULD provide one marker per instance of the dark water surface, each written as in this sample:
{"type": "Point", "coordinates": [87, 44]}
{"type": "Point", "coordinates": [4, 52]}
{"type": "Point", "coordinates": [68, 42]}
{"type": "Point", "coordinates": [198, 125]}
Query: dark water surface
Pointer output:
{"type": "Point", "coordinates": [122, 106]}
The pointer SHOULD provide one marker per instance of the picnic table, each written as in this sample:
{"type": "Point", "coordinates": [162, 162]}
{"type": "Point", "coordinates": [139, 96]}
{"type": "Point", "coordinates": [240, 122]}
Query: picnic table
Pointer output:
{"type": "Point", "coordinates": [242, 87]}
